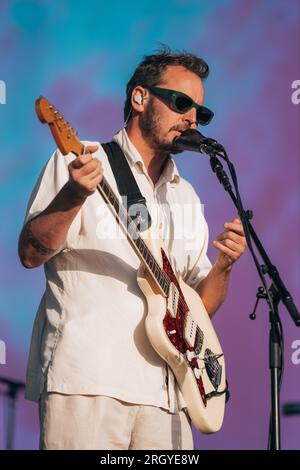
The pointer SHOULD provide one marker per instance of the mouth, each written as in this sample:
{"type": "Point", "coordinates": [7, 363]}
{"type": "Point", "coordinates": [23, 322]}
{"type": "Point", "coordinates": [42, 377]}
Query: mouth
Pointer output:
{"type": "Point", "coordinates": [179, 131]}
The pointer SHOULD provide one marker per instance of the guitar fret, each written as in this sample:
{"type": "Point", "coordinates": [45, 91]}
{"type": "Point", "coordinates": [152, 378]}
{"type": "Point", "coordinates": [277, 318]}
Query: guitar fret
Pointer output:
{"type": "Point", "coordinates": [163, 283]}
{"type": "Point", "coordinates": [154, 269]}
{"type": "Point", "coordinates": [149, 262]}
{"type": "Point", "coordinates": [142, 247]}
{"type": "Point", "coordinates": [138, 242]}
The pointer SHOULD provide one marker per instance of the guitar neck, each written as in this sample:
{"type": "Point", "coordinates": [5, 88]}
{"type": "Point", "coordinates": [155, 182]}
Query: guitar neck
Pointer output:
{"type": "Point", "coordinates": [68, 141]}
{"type": "Point", "coordinates": [133, 236]}
{"type": "Point", "coordinates": [126, 222]}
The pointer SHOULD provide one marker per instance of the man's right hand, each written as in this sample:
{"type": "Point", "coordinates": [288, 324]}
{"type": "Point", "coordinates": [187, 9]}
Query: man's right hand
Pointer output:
{"type": "Point", "coordinates": [42, 236]}
{"type": "Point", "coordinates": [85, 174]}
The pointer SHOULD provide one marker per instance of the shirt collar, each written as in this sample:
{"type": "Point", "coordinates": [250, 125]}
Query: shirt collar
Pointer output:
{"type": "Point", "coordinates": [170, 172]}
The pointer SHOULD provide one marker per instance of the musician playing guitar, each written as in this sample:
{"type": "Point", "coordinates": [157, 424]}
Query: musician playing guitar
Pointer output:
{"type": "Point", "coordinates": [123, 353]}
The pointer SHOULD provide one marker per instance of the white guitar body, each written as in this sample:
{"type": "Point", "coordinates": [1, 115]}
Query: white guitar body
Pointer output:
{"type": "Point", "coordinates": [206, 414]}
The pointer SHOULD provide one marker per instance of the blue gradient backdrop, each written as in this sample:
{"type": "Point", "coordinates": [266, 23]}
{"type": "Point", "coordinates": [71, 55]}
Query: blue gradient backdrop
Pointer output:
{"type": "Point", "coordinates": [80, 54]}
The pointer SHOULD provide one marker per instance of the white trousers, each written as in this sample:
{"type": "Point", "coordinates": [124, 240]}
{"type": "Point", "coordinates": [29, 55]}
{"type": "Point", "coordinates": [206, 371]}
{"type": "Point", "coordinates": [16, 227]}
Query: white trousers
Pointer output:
{"type": "Point", "coordinates": [102, 423]}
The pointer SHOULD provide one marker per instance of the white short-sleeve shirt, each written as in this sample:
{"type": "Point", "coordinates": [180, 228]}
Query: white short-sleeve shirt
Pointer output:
{"type": "Point", "coordinates": [89, 335]}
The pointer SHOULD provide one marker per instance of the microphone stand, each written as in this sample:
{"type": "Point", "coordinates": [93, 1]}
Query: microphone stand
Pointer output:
{"type": "Point", "coordinates": [273, 295]}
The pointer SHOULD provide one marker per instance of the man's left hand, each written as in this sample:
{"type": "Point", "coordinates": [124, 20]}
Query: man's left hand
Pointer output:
{"type": "Point", "coordinates": [231, 244]}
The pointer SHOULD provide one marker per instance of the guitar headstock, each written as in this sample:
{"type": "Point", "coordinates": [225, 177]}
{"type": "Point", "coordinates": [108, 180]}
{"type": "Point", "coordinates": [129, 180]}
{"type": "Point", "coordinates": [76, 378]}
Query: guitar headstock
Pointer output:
{"type": "Point", "coordinates": [64, 135]}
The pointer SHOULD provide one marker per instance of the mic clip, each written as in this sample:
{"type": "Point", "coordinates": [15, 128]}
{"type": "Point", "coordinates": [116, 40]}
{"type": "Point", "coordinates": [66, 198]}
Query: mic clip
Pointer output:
{"type": "Point", "coordinates": [210, 146]}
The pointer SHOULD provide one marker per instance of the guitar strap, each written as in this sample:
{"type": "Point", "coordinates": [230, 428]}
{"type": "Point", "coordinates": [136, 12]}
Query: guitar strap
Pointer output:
{"type": "Point", "coordinates": [132, 198]}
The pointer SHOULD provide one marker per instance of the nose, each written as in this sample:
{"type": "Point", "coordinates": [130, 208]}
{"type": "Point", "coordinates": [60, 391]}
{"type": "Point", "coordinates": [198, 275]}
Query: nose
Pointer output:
{"type": "Point", "coordinates": [190, 117]}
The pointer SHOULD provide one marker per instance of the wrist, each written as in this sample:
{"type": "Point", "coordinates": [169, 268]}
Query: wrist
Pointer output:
{"type": "Point", "coordinates": [222, 266]}
{"type": "Point", "coordinates": [75, 194]}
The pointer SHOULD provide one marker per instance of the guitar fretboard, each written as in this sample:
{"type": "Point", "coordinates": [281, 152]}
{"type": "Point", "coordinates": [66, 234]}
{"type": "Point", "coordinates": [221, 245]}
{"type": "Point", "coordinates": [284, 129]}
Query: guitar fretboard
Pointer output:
{"type": "Point", "coordinates": [134, 237]}
{"type": "Point", "coordinates": [67, 141]}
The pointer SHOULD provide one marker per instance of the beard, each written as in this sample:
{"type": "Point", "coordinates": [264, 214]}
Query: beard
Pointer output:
{"type": "Point", "coordinates": [151, 131]}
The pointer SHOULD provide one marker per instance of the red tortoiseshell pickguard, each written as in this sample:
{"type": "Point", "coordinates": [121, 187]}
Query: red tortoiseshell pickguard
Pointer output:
{"type": "Point", "coordinates": [178, 324]}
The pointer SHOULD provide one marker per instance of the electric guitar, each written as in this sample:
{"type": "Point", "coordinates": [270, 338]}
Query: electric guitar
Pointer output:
{"type": "Point", "coordinates": [177, 323]}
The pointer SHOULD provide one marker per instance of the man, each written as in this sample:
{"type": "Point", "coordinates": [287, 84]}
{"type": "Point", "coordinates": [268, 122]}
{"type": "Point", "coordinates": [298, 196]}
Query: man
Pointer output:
{"type": "Point", "coordinates": [99, 383]}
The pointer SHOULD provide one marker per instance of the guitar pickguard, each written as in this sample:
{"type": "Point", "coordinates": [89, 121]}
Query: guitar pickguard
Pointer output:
{"type": "Point", "coordinates": [186, 335]}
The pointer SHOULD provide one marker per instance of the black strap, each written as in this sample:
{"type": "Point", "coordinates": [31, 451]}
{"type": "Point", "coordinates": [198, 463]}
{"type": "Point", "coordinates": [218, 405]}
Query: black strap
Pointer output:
{"type": "Point", "coordinates": [132, 197]}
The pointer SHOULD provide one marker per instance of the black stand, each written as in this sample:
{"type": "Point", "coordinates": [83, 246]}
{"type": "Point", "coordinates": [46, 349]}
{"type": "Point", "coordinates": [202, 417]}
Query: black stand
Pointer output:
{"type": "Point", "coordinates": [193, 140]}
{"type": "Point", "coordinates": [290, 409]}
{"type": "Point", "coordinates": [275, 364]}
{"type": "Point", "coordinates": [276, 293]}
{"type": "Point", "coordinates": [11, 392]}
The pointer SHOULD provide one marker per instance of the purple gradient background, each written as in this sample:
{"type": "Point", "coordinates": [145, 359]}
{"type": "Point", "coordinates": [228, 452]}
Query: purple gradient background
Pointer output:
{"type": "Point", "coordinates": [81, 57]}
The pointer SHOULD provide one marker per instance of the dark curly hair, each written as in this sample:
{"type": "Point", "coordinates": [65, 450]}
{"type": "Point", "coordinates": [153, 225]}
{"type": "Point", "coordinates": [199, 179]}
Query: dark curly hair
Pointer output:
{"type": "Point", "coordinates": [149, 72]}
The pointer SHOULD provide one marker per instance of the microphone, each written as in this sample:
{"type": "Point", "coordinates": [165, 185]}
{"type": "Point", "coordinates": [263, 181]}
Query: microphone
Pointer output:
{"type": "Point", "coordinates": [196, 142]}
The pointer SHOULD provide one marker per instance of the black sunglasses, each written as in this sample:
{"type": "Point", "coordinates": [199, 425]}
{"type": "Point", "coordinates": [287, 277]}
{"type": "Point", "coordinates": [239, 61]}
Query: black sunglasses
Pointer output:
{"type": "Point", "coordinates": [182, 103]}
